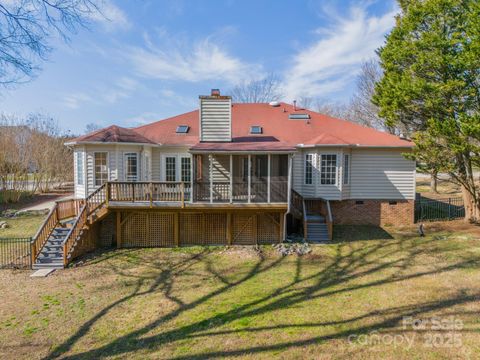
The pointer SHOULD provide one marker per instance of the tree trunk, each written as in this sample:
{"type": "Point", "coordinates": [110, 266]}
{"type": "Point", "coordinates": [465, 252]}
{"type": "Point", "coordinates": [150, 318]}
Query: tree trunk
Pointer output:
{"type": "Point", "coordinates": [472, 206]}
{"type": "Point", "coordinates": [434, 182]}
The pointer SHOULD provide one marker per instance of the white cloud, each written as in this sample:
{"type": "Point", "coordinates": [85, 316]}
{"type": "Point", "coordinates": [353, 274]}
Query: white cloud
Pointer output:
{"type": "Point", "coordinates": [73, 101]}
{"type": "Point", "coordinates": [191, 62]}
{"type": "Point", "coordinates": [110, 16]}
{"type": "Point", "coordinates": [329, 64]}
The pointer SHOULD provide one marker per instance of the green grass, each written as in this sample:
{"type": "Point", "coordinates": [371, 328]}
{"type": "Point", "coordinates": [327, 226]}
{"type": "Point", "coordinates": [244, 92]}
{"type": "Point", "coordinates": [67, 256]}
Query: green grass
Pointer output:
{"type": "Point", "coordinates": [204, 303]}
{"type": "Point", "coordinates": [21, 226]}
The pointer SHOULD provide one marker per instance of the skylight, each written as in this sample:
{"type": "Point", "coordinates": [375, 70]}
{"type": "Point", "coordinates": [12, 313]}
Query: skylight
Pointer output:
{"type": "Point", "coordinates": [299, 116]}
{"type": "Point", "coordinates": [182, 129]}
{"type": "Point", "coordinates": [256, 130]}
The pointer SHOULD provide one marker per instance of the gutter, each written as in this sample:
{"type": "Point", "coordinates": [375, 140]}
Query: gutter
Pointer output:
{"type": "Point", "coordinates": [71, 143]}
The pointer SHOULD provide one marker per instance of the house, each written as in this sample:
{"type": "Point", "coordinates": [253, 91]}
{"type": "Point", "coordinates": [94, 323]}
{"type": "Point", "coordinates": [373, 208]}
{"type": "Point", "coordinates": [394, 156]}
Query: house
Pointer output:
{"type": "Point", "coordinates": [231, 173]}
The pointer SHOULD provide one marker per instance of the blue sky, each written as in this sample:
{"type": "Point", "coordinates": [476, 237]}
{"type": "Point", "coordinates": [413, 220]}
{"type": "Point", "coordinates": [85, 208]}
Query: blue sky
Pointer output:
{"type": "Point", "coordinates": [151, 59]}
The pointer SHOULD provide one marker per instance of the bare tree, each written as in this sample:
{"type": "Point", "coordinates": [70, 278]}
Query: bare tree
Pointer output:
{"type": "Point", "coordinates": [91, 127]}
{"type": "Point", "coordinates": [32, 156]}
{"type": "Point", "coordinates": [26, 27]}
{"type": "Point", "coordinates": [338, 110]}
{"type": "Point", "coordinates": [258, 91]}
{"type": "Point", "coordinates": [362, 109]}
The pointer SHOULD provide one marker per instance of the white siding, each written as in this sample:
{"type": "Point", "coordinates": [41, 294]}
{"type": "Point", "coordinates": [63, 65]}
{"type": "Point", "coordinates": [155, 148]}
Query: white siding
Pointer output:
{"type": "Point", "coordinates": [316, 189]}
{"type": "Point", "coordinates": [381, 174]}
{"type": "Point", "coordinates": [215, 119]}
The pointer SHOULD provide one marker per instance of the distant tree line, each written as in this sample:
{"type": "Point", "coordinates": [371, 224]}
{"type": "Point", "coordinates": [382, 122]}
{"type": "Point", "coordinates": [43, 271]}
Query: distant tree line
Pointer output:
{"type": "Point", "coordinates": [33, 157]}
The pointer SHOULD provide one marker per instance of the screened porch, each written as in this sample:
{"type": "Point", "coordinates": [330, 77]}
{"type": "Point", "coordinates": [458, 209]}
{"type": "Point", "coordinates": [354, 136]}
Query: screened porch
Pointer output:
{"type": "Point", "coordinates": [224, 178]}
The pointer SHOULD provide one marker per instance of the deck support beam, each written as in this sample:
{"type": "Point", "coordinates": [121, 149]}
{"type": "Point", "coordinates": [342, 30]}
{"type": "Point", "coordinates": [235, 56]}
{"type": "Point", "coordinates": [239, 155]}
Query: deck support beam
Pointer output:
{"type": "Point", "coordinates": [119, 230]}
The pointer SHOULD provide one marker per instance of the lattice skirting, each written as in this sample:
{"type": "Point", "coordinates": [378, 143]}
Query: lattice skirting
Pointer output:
{"type": "Point", "coordinates": [169, 229]}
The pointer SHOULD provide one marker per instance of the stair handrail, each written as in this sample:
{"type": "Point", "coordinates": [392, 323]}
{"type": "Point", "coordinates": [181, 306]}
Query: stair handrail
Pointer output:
{"type": "Point", "coordinates": [305, 223]}
{"type": "Point", "coordinates": [89, 202]}
{"type": "Point", "coordinates": [69, 241]}
{"type": "Point", "coordinates": [329, 220]}
{"type": "Point", "coordinates": [44, 232]}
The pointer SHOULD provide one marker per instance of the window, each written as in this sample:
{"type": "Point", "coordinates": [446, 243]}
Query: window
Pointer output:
{"type": "Point", "coordinates": [256, 130]}
{"type": "Point", "coordinates": [328, 169]}
{"type": "Point", "coordinates": [170, 168]}
{"type": "Point", "coordinates": [308, 169]}
{"type": "Point", "coordinates": [101, 170]}
{"type": "Point", "coordinates": [182, 129]}
{"type": "Point", "coordinates": [185, 169]}
{"type": "Point", "coordinates": [346, 169]}
{"type": "Point", "coordinates": [131, 166]}
{"type": "Point", "coordinates": [80, 174]}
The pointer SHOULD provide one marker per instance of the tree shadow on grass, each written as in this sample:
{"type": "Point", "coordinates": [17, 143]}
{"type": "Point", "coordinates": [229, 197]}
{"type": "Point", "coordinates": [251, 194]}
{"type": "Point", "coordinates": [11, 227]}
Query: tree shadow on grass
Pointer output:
{"type": "Point", "coordinates": [351, 269]}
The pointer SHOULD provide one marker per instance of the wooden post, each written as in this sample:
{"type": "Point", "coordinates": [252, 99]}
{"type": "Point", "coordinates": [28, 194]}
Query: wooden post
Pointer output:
{"type": "Point", "coordinates": [229, 228]}
{"type": "Point", "coordinates": [289, 186]}
{"type": "Point", "coordinates": [282, 228]}
{"type": "Point", "coordinates": [147, 230]}
{"type": "Point", "coordinates": [254, 227]}
{"type": "Point", "coordinates": [182, 187]}
{"type": "Point", "coordinates": [133, 191]}
{"type": "Point", "coordinates": [176, 229]}
{"type": "Point", "coordinates": [107, 193]}
{"type": "Point", "coordinates": [119, 230]}
{"type": "Point", "coordinates": [151, 194]}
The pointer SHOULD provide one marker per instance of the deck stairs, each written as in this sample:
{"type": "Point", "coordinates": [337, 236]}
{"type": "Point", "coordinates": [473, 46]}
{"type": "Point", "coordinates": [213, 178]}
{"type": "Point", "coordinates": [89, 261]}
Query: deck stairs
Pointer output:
{"type": "Point", "coordinates": [317, 231]}
{"type": "Point", "coordinates": [51, 255]}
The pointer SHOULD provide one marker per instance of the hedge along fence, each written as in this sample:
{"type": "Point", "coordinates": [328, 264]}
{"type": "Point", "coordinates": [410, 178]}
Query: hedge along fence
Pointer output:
{"type": "Point", "coordinates": [439, 209]}
{"type": "Point", "coordinates": [15, 253]}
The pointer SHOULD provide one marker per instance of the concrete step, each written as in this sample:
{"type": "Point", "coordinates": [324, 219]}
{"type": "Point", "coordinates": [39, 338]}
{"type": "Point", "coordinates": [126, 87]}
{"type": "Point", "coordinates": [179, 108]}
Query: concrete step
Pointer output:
{"type": "Point", "coordinates": [39, 266]}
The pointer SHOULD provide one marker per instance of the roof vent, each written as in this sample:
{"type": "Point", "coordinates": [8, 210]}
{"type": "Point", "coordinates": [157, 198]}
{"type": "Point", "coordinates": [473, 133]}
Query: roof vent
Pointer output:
{"type": "Point", "coordinates": [299, 116]}
{"type": "Point", "coordinates": [274, 103]}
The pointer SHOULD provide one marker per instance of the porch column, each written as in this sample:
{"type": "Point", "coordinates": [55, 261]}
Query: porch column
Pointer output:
{"type": "Point", "coordinates": [289, 186]}
{"type": "Point", "coordinates": [193, 172]}
{"type": "Point", "coordinates": [210, 175]}
{"type": "Point", "coordinates": [268, 178]}
{"type": "Point", "coordinates": [249, 177]}
{"type": "Point", "coordinates": [231, 178]}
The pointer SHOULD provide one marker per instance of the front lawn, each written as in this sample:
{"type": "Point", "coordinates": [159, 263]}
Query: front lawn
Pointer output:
{"type": "Point", "coordinates": [350, 299]}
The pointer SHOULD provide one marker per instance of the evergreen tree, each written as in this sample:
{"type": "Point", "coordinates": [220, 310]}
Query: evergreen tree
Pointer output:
{"type": "Point", "coordinates": [431, 63]}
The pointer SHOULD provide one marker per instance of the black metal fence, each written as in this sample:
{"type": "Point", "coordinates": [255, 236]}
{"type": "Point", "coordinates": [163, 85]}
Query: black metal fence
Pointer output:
{"type": "Point", "coordinates": [444, 209]}
{"type": "Point", "coordinates": [15, 253]}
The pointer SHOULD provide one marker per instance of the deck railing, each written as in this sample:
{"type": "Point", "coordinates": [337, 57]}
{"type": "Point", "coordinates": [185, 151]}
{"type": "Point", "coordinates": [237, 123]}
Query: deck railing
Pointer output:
{"type": "Point", "coordinates": [148, 191]}
{"type": "Point", "coordinates": [74, 234]}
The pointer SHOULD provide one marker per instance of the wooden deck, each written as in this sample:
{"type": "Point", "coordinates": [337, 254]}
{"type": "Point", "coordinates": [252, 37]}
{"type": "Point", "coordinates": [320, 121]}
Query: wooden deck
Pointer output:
{"type": "Point", "coordinates": [177, 205]}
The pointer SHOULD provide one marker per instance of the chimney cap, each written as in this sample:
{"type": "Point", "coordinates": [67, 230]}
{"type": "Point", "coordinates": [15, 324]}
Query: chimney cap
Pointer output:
{"type": "Point", "coordinates": [215, 92]}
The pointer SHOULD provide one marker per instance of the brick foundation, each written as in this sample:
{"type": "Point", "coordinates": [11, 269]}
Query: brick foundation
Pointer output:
{"type": "Point", "coordinates": [373, 212]}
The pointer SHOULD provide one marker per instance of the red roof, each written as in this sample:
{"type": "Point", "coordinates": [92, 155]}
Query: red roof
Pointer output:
{"type": "Point", "coordinates": [279, 132]}
{"type": "Point", "coordinates": [114, 133]}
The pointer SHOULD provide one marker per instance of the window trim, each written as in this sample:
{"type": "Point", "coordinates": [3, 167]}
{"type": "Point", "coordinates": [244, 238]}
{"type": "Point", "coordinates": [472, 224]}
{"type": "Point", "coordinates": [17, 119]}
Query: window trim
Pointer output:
{"type": "Point", "coordinates": [346, 169]}
{"type": "Point", "coordinates": [335, 172]}
{"type": "Point", "coordinates": [125, 158]}
{"type": "Point", "coordinates": [181, 157]}
{"type": "Point", "coordinates": [178, 166]}
{"type": "Point", "coordinates": [311, 162]}
{"type": "Point", "coordinates": [80, 161]}
{"type": "Point", "coordinates": [94, 167]}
